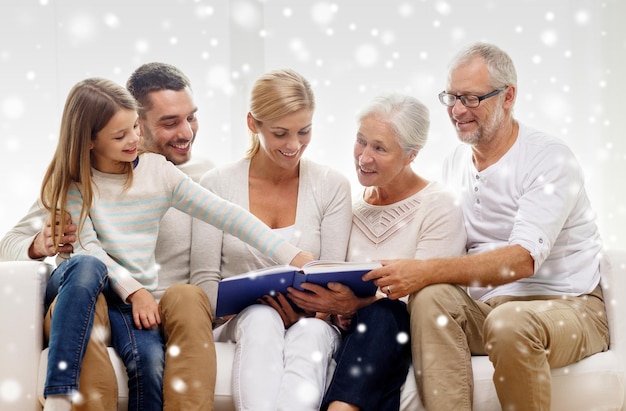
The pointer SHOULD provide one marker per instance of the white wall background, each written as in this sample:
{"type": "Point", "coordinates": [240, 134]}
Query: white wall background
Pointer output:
{"type": "Point", "coordinates": [570, 55]}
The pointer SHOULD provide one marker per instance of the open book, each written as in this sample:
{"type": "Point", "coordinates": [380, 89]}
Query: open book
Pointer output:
{"type": "Point", "coordinates": [237, 292]}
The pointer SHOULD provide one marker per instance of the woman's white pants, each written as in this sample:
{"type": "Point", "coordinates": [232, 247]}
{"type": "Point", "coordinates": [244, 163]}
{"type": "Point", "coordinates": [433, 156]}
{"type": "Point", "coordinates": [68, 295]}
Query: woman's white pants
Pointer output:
{"type": "Point", "coordinates": [277, 369]}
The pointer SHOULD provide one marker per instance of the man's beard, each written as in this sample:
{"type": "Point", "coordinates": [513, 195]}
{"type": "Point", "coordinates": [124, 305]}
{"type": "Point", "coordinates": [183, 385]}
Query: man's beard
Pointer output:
{"type": "Point", "coordinates": [484, 134]}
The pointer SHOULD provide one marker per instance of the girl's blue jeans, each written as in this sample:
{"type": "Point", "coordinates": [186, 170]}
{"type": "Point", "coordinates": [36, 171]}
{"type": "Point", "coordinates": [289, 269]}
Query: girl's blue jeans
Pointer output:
{"type": "Point", "coordinates": [76, 283]}
{"type": "Point", "coordinates": [143, 354]}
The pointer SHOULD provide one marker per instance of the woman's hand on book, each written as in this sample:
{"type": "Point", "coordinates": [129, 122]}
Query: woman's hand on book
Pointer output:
{"type": "Point", "coordinates": [336, 299]}
{"type": "Point", "coordinates": [284, 308]}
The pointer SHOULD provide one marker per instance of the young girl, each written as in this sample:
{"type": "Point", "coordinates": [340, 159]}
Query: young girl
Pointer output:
{"type": "Point", "coordinates": [117, 197]}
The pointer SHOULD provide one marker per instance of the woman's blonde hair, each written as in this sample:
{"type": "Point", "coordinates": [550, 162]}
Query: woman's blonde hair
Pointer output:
{"type": "Point", "coordinates": [89, 106]}
{"type": "Point", "coordinates": [276, 94]}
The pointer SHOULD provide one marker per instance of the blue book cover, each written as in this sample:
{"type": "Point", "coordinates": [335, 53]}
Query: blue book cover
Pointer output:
{"type": "Point", "coordinates": [237, 292]}
{"type": "Point", "coordinates": [347, 273]}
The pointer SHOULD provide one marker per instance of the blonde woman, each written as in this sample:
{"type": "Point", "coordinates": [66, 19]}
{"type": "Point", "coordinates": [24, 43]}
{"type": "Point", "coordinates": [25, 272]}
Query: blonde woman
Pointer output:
{"type": "Point", "coordinates": [281, 356]}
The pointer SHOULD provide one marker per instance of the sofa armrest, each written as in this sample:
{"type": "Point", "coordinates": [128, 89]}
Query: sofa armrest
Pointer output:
{"type": "Point", "coordinates": [22, 287]}
{"type": "Point", "coordinates": [613, 283]}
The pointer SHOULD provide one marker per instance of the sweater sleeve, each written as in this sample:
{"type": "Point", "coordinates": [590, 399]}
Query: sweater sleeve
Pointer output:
{"type": "Point", "coordinates": [336, 217]}
{"type": "Point", "coordinates": [16, 242]}
{"type": "Point", "coordinates": [206, 253]}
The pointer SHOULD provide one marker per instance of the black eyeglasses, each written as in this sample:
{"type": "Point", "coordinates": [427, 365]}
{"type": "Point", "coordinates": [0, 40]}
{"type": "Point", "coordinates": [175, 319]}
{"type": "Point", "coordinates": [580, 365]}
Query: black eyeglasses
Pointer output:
{"type": "Point", "coordinates": [468, 100]}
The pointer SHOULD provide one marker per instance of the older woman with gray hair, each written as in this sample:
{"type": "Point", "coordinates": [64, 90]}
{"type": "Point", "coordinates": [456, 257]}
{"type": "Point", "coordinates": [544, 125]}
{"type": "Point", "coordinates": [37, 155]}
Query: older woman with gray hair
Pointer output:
{"type": "Point", "coordinates": [399, 215]}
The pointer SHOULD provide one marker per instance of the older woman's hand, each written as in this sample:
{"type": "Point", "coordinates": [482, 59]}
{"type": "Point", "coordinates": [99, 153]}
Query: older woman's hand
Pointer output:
{"type": "Point", "coordinates": [336, 299]}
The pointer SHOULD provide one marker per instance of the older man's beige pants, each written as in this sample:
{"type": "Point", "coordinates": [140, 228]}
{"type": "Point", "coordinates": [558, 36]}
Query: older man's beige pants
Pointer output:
{"type": "Point", "coordinates": [524, 338]}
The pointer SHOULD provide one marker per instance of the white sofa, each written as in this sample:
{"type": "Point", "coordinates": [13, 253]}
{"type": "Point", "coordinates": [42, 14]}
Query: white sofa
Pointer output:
{"type": "Point", "coordinates": [595, 383]}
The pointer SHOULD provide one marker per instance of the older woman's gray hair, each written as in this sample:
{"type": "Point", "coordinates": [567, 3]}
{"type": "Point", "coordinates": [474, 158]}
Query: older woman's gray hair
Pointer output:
{"type": "Point", "coordinates": [407, 116]}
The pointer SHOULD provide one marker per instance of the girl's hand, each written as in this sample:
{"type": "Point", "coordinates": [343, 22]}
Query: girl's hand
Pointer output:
{"type": "Point", "coordinates": [145, 309]}
{"type": "Point", "coordinates": [302, 258]}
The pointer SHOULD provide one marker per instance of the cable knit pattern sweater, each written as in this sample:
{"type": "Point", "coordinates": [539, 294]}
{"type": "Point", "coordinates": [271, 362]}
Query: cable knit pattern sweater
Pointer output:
{"type": "Point", "coordinates": [429, 224]}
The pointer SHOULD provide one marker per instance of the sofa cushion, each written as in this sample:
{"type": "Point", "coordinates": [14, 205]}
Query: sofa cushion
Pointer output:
{"type": "Point", "coordinates": [595, 383]}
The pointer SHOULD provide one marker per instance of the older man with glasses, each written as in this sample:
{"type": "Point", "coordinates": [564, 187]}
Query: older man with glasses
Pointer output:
{"type": "Point", "coordinates": [527, 294]}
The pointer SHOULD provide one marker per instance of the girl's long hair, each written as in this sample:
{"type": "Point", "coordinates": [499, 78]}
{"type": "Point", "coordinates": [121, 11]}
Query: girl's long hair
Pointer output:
{"type": "Point", "coordinates": [89, 106]}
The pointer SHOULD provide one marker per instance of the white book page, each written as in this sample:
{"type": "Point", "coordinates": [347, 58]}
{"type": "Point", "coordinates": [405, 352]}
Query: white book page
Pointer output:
{"type": "Point", "coordinates": [263, 271]}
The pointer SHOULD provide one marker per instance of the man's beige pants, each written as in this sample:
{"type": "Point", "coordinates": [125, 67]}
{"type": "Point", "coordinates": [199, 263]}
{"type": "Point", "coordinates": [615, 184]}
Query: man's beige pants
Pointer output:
{"type": "Point", "coordinates": [523, 337]}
